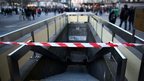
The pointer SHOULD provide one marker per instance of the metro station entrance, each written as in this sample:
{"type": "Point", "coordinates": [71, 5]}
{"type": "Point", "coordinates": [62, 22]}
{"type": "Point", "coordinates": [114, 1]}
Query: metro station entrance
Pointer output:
{"type": "Point", "coordinates": [70, 59]}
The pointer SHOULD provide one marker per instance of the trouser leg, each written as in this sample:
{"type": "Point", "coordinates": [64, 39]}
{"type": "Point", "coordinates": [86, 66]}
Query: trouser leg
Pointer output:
{"type": "Point", "coordinates": [121, 21]}
{"type": "Point", "coordinates": [125, 24]}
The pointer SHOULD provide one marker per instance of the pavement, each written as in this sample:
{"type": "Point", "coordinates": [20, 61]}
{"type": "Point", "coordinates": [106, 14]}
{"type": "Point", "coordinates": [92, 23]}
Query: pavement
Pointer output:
{"type": "Point", "coordinates": [12, 22]}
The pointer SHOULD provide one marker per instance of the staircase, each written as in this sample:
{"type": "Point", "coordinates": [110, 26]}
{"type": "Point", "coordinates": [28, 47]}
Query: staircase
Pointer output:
{"type": "Point", "coordinates": [73, 73]}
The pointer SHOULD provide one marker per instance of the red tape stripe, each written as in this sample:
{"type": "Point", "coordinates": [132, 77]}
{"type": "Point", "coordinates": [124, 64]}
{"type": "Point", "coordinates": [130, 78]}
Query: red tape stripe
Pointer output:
{"type": "Point", "coordinates": [15, 43]}
{"type": "Point", "coordinates": [129, 44]}
{"type": "Point", "coordinates": [79, 45]}
{"type": "Point", "coordinates": [2, 43]}
{"type": "Point", "coordinates": [95, 45]}
{"type": "Point", "coordinates": [111, 44]}
{"type": "Point", "coordinates": [45, 44]}
{"type": "Point", "coordinates": [31, 44]}
{"type": "Point", "coordinates": [62, 44]}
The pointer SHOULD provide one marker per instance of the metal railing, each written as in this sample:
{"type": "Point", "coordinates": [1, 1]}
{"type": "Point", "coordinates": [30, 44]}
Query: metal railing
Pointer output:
{"type": "Point", "coordinates": [107, 31]}
{"type": "Point", "coordinates": [30, 29]}
{"type": "Point", "coordinates": [44, 31]}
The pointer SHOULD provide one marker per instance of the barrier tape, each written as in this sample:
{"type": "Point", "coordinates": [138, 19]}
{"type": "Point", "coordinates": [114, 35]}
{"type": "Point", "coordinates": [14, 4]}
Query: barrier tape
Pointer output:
{"type": "Point", "coordinates": [74, 44]}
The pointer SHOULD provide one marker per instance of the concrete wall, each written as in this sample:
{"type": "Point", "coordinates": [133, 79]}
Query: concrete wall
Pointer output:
{"type": "Point", "coordinates": [46, 67]}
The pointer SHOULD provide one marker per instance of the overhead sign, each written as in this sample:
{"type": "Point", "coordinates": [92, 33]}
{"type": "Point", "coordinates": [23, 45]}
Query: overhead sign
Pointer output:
{"type": "Point", "coordinates": [77, 38]}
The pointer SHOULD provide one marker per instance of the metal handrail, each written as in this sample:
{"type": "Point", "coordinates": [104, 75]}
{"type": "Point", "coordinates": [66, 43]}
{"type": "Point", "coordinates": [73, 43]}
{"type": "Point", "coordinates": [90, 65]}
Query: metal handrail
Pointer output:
{"type": "Point", "coordinates": [125, 35]}
{"type": "Point", "coordinates": [116, 30]}
{"type": "Point", "coordinates": [14, 35]}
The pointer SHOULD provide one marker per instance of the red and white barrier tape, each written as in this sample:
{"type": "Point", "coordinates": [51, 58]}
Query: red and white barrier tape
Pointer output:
{"type": "Point", "coordinates": [75, 44]}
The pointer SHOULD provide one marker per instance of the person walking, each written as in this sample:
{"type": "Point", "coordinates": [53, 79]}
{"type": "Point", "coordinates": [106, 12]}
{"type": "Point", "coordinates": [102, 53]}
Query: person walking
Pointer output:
{"type": "Point", "coordinates": [131, 17]}
{"type": "Point", "coordinates": [33, 12]}
{"type": "Point", "coordinates": [38, 12]}
{"type": "Point", "coordinates": [112, 17]}
{"type": "Point", "coordinates": [27, 13]}
{"type": "Point", "coordinates": [21, 14]}
{"type": "Point", "coordinates": [124, 16]}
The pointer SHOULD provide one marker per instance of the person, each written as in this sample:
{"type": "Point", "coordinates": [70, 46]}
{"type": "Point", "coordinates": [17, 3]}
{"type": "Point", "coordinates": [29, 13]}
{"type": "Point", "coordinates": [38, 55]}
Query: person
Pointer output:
{"type": "Point", "coordinates": [100, 12]}
{"type": "Point", "coordinates": [112, 17]}
{"type": "Point", "coordinates": [33, 12]}
{"type": "Point", "coordinates": [27, 13]}
{"type": "Point", "coordinates": [21, 14]}
{"type": "Point", "coordinates": [81, 9]}
{"type": "Point", "coordinates": [46, 11]}
{"type": "Point", "coordinates": [124, 16]}
{"type": "Point", "coordinates": [131, 17]}
{"type": "Point", "coordinates": [38, 10]}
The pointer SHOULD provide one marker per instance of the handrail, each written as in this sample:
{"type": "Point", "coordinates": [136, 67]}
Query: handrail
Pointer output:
{"type": "Point", "coordinates": [114, 28]}
{"type": "Point", "coordinates": [116, 32]}
{"type": "Point", "coordinates": [14, 35]}
{"type": "Point", "coordinates": [127, 36]}
{"type": "Point", "coordinates": [13, 58]}
{"type": "Point", "coordinates": [79, 13]}
{"type": "Point", "coordinates": [121, 64]}
{"type": "Point", "coordinates": [31, 32]}
{"type": "Point", "coordinates": [119, 58]}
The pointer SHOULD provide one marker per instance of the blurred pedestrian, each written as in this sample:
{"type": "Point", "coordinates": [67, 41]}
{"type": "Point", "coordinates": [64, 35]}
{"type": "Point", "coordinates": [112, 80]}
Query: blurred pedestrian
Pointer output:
{"type": "Point", "coordinates": [124, 16]}
{"type": "Point", "coordinates": [38, 12]}
{"type": "Point", "coordinates": [46, 10]}
{"type": "Point", "coordinates": [131, 17]}
{"type": "Point", "coordinates": [21, 14]}
{"type": "Point", "coordinates": [27, 13]}
{"type": "Point", "coordinates": [33, 12]}
{"type": "Point", "coordinates": [100, 12]}
{"type": "Point", "coordinates": [112, 17]}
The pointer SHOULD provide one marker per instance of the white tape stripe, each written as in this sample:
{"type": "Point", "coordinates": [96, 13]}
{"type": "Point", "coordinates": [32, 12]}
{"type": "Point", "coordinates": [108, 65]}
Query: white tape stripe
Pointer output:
{"type": "Point", "coordinates": [54, 45]}
{"type": "Point", "coordinates": [119, 44]}
{"type": "Point", "coordinates": [139, 44]}
{"type": "Point", "coordinates": [70, 45]}
{"type": "Point", "coordinates": [7, 42]}
{"type": "Point", "coordinates": [104, 45]}
{"type": "Point", "coordinates": [87, 45]}
{"type": "Point", "coordinates": [38, 44]}
{"type": "Point", "coordinates": [22, 43]}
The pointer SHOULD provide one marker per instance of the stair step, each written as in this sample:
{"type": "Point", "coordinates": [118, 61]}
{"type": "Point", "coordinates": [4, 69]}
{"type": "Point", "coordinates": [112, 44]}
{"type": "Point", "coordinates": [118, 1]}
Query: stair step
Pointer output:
{"type": "Point", "coordinates": [73, 73]}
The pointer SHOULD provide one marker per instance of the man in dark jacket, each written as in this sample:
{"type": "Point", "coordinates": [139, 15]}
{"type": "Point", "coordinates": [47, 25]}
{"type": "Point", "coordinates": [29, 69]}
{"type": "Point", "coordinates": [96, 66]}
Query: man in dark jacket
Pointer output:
{"type": "Point", "coordinates": [124, 16]}
{"type": "Point", "coordinates": [131, 17]}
